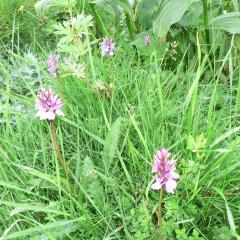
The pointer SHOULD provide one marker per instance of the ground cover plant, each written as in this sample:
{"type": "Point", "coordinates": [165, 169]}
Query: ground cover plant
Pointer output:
{"type": "Point", "coordinates": [119, 119]}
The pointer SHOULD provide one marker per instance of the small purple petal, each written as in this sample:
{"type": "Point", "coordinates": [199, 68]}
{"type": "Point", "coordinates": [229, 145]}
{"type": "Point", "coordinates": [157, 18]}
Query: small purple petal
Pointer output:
{"type": "Point", "coordinates": [59, 113]}
{"type": "Point", "coordinates": [174, 175]}
{"type": "Point", "coordinates": [52, 63]}
{"type": "Point", "coordinates": [170, 186]}
{"type": "Point", "coordinates": [156, 166]}
{"type": "Point", "coordinates": [157, 185]}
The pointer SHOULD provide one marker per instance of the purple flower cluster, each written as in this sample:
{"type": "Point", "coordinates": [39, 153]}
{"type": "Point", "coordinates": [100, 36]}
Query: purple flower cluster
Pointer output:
{"type": "Point", "coordinates": [107, 47]}
{"type": "Point", "coordinates": [52, 63]}
{"type": "Point", "coordinates": [48, 105]}
{"type": "Point", "coordinates": [165, 169]}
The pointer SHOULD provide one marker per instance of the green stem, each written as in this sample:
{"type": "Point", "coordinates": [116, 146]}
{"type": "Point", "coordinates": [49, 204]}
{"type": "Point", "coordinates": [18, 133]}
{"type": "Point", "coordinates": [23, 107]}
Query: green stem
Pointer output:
{"type": "Point", "coordinates": [59, 154]}
{"type": "Point", "coordinates": [160, 208]}
{"type": "Point", "coordinates": [205, 15]}
{"type": "Point", "coordinates": [56, 147]}
{"type": "Point", "coordinates": [159, 212]}
{"type": "Point", "coordinates": [129, 26]}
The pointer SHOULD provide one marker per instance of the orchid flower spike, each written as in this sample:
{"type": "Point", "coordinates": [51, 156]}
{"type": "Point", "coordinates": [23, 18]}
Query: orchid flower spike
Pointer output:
{"type": "Point", "coordinates": [165, 171]}
{"type": "Point", "coordinates": [48, 105]}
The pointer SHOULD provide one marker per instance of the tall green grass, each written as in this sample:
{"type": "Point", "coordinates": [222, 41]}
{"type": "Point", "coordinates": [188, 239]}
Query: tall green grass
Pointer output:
{"type": "Point", "coordinates": [108, 144]}
{"type": "Point", "coordinates": [19, 26]}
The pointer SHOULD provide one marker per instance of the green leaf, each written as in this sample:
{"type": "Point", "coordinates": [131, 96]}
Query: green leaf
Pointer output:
{"type": "Point", "coordinates": [92, 183]}
{"type": "Point", "coordinates": [36, 207]}
{"type": "Point", "coordinates": [147, 50]}
{"type": "Point", "coordinates": [105, 3]}
{"type": "Point", "coordinates": [145, 12]}
{"type": "Point", "coordinates": [192, 93]}
{"type": "Point", "coordinates": [93, 136]}
{"type": "Point", "coordinates": [169, 12]}
{"type": "Point", "coordinates": [193, 16]}
{"type": "Point", "coordinates": [64, 3]}
{"type": "Point", "coordinates": [235, 5]}
{"type": "Point", "coordinates": [125, 5]}
{"type": "Point", "coordinates": [115, 4]}
{"type": "Point", "coordinates": [41, 229]}
{"type": "Point", "coordinates": [14, 187]}
{"type": "Point", "coordinates": [225, 135]}
{"type": "Point", "coordinates": [111, 143]}
{"type": "Point", "coordinates": [229, 212]}
{"type": "Point", "coordinates": [229, 22]}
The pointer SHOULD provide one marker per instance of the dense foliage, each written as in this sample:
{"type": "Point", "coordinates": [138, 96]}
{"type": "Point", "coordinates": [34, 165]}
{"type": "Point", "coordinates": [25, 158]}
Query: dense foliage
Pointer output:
{"type": "Point", "coordinates": [131, 76]}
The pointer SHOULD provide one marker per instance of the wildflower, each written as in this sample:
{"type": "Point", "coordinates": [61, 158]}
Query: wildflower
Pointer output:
{"type": "Point", "coordinates": [74, 68]}
{"type": "Point", "coordinates": [147, 40]}
{"type": "Point", "coordinates": [107, 89]}
{"type": "Point", "coordinates": [174, 44]}
{"type": "Point", "coordinates": [165, 169]}
{"type": "Point", "coordinates": [100, 86]}
{"type": "Point", "coordinates": [21, 8]}
{"type": "Point", "coordinates": [107, 47]}
{"type": "Point", "coordinates": [36, 5]}
{"type": "Point", "coordinates": [48, 105]}
{"type": "Point", "coordinates": [52, 63]}
{"type": "Point", "coordinates": [111, 85]}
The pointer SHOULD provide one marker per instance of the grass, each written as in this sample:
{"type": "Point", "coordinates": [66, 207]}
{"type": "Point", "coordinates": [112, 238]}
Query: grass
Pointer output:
{"type": "Point", "coordinates": [20, 28]}
{"type": "Point", "coordinates": [108, 144]}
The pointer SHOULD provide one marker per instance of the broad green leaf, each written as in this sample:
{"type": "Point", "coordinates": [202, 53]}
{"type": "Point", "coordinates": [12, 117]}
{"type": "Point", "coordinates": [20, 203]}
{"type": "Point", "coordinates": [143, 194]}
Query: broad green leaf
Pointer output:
{"type": "Point", "coordinates": [108, 3]}
{"type": "Point", "coordinates": [125, 4]}
{"type": "Point", "coordinates": [229, 22]}
{"type": "Point", "coordinates": [193, 16]}
{"type": "Point", "coordinates": [145, 12]}
{"type": "Point", "coordinates": [57, 233]}
{"type": "Point", "coordinates": [147, 50]}
{"type": "Point", "coordinates": [235, 5]}
{"type": "Point", "coordinates": [115, 4]}
{"type": "Point", "coordinates": [139, 39]}
{"type": "Point", "coordinates": [169, 12]}
{"type": "Point", "coordinates": [111, 143]}
{"type": "Point", "coordinates": [47, 228]}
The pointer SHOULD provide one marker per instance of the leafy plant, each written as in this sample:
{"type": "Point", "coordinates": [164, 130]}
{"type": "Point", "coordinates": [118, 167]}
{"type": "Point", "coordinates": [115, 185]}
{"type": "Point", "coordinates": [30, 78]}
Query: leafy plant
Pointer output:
{"type": "Point", "coordinates": [165, 19]}
{"type": "Point", "coordinates": [228, 22]}
{"type": "Point", "coordinates": [74, 35]}
{"type": "Point", "coordinates": [197, 145]}
{"type": "Point", "coordinates": [17, 27]}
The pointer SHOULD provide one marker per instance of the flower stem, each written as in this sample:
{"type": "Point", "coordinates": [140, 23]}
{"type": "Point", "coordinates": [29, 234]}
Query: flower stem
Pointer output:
{"type": "Point", "coordinates": [159, 212]}
{"type": "Point", "coordinates": [56, 147]}
{"type": "Point", "coordinates": [60, 156]}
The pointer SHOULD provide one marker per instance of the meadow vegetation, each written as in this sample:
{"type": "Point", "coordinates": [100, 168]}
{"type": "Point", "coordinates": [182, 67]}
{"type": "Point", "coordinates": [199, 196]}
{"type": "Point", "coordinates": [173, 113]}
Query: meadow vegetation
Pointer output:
{"type": "Point", "coordinates": [133, 77]}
